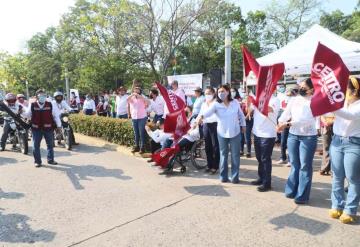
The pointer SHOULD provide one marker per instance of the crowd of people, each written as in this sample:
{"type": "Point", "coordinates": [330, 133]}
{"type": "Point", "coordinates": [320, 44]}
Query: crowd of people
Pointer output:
{"type": "Point", "coordinates": [231, 125]}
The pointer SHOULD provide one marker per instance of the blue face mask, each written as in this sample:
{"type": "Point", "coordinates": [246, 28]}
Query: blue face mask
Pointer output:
{"type": "Point", "coordinates": [42, 99]}
{"type": "Point", "coordinates": [281, 90]}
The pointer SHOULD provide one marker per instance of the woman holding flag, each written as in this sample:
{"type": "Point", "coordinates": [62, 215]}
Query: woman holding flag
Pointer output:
{"type": "Point", "coordinates": [345, 156]}
{"type": "Point", "coordinates": [302, 142]}
{"type": "Point", "coordinates": [231, 121]}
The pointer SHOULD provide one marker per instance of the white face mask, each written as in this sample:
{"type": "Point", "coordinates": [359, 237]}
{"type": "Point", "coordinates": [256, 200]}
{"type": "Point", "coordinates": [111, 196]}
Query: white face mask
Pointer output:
{"type": "Point", "coordinates": [233, 94]}
{"type": "Point", "coordinates": [222, 95]}
{"type": "Point", "coordinates": [209, 97]}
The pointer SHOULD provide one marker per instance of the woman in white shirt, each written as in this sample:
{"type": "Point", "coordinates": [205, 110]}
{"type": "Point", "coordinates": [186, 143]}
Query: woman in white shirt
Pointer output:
{"type": "Point", "coordinates": [89, 107]}
{"type": "Point", "coordinates": [199, 100]}
{"type": "Point", "coordinates": [157, 104]}
{"type": "Point", "coordinates": [210, 133]}
{"type": "Point", "coordinates": [345, 156]}
{"type": "Point", "coordinates": [231, 121]}
{"type": "Point", "coordinates": [302, 142]}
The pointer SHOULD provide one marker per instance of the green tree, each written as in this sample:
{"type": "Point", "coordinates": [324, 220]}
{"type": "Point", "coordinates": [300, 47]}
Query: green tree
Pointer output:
{"type": "Point", "coordinates": [335, 21]}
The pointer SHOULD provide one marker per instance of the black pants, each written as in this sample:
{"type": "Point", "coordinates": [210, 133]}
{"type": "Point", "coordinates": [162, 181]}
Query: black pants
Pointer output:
{"type": "Point", "coordinates": [154, 146]}
{"type": "Point", "coordinates": [6, 130]}
{"type": "Point", "coordinates": [263, 151]}
{"type": "Point", "coordinates": [211, 145]}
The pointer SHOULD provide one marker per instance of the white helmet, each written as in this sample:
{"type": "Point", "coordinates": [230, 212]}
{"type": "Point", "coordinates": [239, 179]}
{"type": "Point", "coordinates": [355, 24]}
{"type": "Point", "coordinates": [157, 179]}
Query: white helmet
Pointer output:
{"type": "Point", "coordinates": [58, 93]}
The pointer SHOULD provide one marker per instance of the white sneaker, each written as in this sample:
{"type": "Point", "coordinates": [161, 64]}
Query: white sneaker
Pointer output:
{"type": "Point", "coordinates": [281, 162]}
{"type": "Point", "coordinates": [288, 164]}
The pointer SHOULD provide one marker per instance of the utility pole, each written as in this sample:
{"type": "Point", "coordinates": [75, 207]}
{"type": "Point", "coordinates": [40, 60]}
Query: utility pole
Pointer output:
{"type": "Point", "coordinates": [27, 89]}
{"type": "Point", "coordinates": [67, 87]}
{"type": "Point", "coordinates": [228, 56]}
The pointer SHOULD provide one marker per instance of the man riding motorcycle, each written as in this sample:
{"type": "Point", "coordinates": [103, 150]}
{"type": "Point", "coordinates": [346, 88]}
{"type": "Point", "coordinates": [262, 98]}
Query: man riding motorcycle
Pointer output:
{"type": "Point", "coordinates": [10, 101]}
{"type": "Point", "coordinates": [63, 107]}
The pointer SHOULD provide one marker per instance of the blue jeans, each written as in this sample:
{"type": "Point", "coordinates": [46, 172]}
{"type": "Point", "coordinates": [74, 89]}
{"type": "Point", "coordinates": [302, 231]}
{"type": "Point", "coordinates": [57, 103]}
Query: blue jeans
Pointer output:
{"type": "Point", "coordinates": [263, 151]}
{"type": "Point", "coordinates": [89, 112]}
{"type": "Point", "coordinates": [235, 158]}
{"type": "Point", "coordinates": [139, 131]}
{"type": "Point", "coordinates": [345, 163]}
{"type": "Point", "coordinates": [284, 137]}
{"type": "Point", "coordinates": [37, 136]}
{"type": "Point", "coordinates": [123, 116]}
{"type": "Point", "coordinates": [301, 155]}
{"type": "Point", "coordinates": [211, 145]}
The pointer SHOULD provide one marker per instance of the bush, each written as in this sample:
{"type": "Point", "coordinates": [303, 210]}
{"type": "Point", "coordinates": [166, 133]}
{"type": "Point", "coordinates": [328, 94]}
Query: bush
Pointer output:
{"type": "Point", "coordinates": [119, 131]}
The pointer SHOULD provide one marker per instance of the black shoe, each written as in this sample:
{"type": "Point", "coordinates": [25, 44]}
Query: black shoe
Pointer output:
{"type": "Point", "coordinates": [300, 202]}
{"type": "Point", "coordinates": [256, 182]}
{"type": "Point", "coordinates": [263, 188]}
{"type": "Point", "coordinates": [248, 155]}
{"type": "Point", "coordinates": [52, 162]}
{"type": "Point", "coordinates": [241, 153]}
{"type": "Point", "coordinates": [75, 143]}
{"type": "Point", "coordinates": [142, 151]}
{"type": "Point", "coordinates": [150, 160]}
{"type": "Point", "coordinates": [207, 170]}
{"type": "Point", "coordinates": [37, 165]}
{"type": "Point", "coordinates": [135, 149]}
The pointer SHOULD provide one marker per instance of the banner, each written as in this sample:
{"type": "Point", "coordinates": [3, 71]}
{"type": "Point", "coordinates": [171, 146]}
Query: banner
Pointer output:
{"type": "Point", "coordinates": [330, 77]}
{"type": "Point", "coordinates": [175, 121]}
{"type": "Point", "coordinates": [188, 83]}
{"type": "Point", "coordinates": [249, 62]}
{"type": "Point", "coordinates": [267, 81]}
{"type": "Point", "coordinates": [163, 157]}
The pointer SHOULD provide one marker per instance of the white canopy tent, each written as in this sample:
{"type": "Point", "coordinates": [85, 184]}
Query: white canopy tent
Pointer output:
{"type": "Point", "coordinates": [298, 54]}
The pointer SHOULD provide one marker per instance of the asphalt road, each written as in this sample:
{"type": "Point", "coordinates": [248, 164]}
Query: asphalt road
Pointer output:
{"type": "Point", "coordinates": [100, 197]}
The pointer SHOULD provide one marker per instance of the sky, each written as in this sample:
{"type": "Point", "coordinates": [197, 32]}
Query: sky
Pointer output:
{"type": "Point", "coordinates": [21, 19]}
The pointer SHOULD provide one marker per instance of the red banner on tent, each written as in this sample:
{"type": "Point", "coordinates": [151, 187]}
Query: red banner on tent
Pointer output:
{"type": "Point", "coordinates": [267, 81]}
{"type": "Point", "coordinates": [249, 62]}
{"type": "Point", "coordinates": [175, 121]}
{"type": "Point", "coordinates": [330, 77]}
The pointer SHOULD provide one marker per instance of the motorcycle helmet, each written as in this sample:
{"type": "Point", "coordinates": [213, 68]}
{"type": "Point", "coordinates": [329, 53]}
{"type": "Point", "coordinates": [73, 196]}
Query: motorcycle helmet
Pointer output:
{"type": "Point", "coordinates": [58, 96]}
{"type": "Point", "coordinates": [10, 98]}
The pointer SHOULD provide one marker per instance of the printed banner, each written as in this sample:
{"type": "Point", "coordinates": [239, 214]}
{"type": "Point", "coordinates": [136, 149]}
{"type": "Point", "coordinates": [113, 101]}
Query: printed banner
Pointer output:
{"type": "Point", "coordinates": [188, 83]}
{"type": "Point", "coordinates": [330, 77]}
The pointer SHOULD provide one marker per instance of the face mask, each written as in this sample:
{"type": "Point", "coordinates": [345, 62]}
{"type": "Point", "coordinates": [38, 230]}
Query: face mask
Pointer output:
{"type": "Point", "coordinates": [41, 99]}
{"type": "Point", "coordinates": [302, 92]}
{"type": "Point", "coordinates": [242, 95]}
{"type": "Point", "coordinates": [281, 90]}
{"type": "Point", "coordinates": [209, 97]}
{"type": "Point", "coordinates": [233, 94]}
{"type": "Point", "coordinates": [222, 95]}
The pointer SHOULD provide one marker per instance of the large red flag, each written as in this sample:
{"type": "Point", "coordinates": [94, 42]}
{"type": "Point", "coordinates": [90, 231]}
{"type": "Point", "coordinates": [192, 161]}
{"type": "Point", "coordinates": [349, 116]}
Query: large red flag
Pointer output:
{"type": "Point", "coordinates": [175, 121]}
{"type": "Point", "coordinates": [249, 62]}
{"type": "Point", "coordinates": [162, 157]}
{"type": "Point", "coordinates": [330, 76]}
{"type": "Point", "coordinates": [267, 81]}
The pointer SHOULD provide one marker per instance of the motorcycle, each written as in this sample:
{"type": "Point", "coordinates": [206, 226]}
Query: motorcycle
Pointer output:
{"type": "Point", "coordinates": [18, 136]}
{"type": "Point", "coordinates": [65, 133]}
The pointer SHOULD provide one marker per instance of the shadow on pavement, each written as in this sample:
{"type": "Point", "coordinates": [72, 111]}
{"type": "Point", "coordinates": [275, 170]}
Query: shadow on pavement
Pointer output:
{"type": "Point", "coordinates": [207, 190]}
{"type": "Point", "coordinates": [293, 220]}
{"type": "Point", "coordinates": [15, 229]}
{"type": "Point", "coordinates": [84, 148]}
{"type": "Point", "coordinates": [10, 195]}
{"type": "Point", "coordinates": [85, 172]}
{"type": "Point", "coordinates": [7, 161]}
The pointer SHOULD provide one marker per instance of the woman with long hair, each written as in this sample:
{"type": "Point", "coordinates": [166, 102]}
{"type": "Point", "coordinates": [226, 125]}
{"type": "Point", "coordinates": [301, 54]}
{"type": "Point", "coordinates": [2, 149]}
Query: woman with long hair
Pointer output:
{"type": "Point", "coordinates": [302, 142]}
{"type": "Point", "coordinates": [345, 156]}
{"type": "Point", "coordinates": [231, 122]}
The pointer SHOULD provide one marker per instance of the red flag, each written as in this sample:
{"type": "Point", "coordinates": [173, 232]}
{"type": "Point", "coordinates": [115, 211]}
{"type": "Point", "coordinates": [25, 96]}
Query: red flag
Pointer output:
{"type": "Point", "coordinates": [173, 102]}
{"type": "Point", "coordinates": [249, 62]}
{"type": "Point", "coordinates": [162, 157]}
{"type": "Point", "coordinates": [330, 76]}
{"type": "Point", "coordinates": [267, 81]}
{"type": "Point", "coordinates": [176, 121]}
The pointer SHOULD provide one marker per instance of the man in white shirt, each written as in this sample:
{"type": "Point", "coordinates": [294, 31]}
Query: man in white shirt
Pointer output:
{"type": "Point", "coordinates": [121, 104]}
{"type": "Point", "coordinates": [89, 107]}
{"type": "Point", "coordinates": [264, 131]}
{"type": "Point", "coordinates": [157, 104]}
{"type": "Point", "coordinates": [178, 91]}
